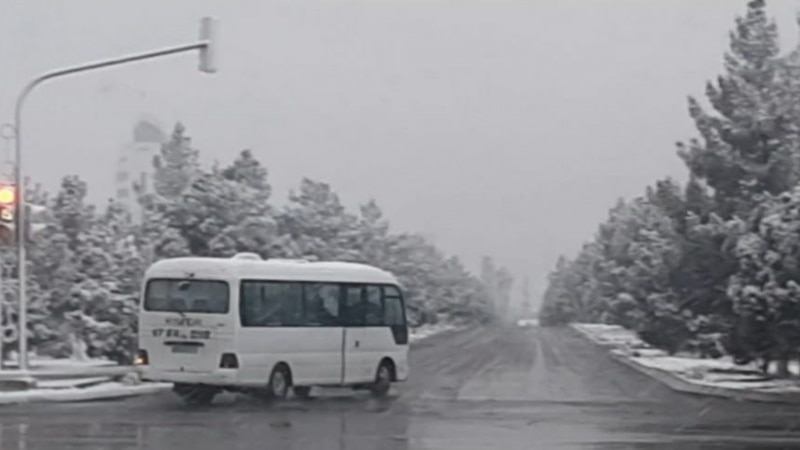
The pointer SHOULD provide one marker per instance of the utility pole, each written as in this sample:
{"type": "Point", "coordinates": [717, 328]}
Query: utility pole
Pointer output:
{"type": "Point", "coordinates": [7, 133]}
{"type": "Point", "coordinates": [206, 45]}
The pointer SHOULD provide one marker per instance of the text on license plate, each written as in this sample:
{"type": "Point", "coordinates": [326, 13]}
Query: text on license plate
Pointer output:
{"type": "Point", "coordinates": [184, 349]}
{"type": "Point", "coordinates": [181, 334]}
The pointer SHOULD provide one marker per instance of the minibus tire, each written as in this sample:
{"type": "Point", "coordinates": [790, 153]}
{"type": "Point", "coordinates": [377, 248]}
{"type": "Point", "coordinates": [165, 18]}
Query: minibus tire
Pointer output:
{"type": "Point", "coordinates": [280, 380]}
{"type": "Point", "coordinates": [383, 380]}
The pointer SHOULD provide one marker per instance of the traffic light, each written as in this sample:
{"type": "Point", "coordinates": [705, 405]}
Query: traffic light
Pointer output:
{"type": "Point", "coordinates": [8, 197]}
{"type": "Point", "coordinates": [35, 220]}
{"type": "Point", "coordinates": [8, 193]}
{"type": "Point", "coordinates": [208, 53]}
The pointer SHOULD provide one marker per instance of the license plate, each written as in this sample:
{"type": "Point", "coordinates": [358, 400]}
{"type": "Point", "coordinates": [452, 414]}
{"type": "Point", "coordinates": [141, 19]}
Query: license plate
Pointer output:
{"type": "Point", "coordinates": [184, 349]}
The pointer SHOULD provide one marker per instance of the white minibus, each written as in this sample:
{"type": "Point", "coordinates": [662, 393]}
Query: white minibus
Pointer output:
{"type": "Point", "coordinates": [264, 327]}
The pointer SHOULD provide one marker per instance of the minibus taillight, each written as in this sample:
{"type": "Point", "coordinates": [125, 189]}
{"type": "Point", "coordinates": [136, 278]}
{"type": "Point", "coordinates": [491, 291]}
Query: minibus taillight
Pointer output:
{"type": "Point", "coordinates": [141, 358]}
{"type": "Point", "coordinates": [228, 361]}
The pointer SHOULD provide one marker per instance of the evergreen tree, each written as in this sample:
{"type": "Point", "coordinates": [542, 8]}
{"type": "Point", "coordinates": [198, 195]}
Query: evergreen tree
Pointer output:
{"type": "Point", "coordinates": [318, 223]}
{"type": "Point", "coordinates": [557, 305]}
{"type": "Point", "coordinates": [709, 267]}
{"type": "Point", "coordinates": [373, 231]}
{"type": "Point", "coordinates": [247, 170]}
{"type": "Point", "coordinates": [747, 146]}
{"type": "Point", "coordinates": [697, 199]}
{"type": "Point", "coordinates": [176, 165]}
{"type": "Point", "coordinates": [56, 268]}
{"type": "Point", "coordinates": [766, 288]}
{"type": "Point", "coordinates": [87, 265]}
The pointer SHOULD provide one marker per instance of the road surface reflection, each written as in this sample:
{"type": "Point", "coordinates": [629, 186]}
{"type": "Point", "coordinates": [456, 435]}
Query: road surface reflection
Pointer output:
{"type": "Point", "coordinates": [339, 423]}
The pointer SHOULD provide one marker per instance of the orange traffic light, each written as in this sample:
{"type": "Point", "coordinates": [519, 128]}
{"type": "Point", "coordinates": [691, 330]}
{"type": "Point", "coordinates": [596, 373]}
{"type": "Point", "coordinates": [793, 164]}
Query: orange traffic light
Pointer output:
{"type": "Point", "coordinates": [8, 194]}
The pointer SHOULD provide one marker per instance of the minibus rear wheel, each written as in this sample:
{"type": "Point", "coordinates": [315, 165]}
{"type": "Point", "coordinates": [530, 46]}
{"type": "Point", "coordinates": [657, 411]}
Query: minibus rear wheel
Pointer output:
{"type": "Point", "coordinates": [279, 382]}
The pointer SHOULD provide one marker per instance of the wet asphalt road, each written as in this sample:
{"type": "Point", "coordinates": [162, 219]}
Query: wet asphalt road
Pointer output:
{"type": "Point", "coordinates": [480, 389]}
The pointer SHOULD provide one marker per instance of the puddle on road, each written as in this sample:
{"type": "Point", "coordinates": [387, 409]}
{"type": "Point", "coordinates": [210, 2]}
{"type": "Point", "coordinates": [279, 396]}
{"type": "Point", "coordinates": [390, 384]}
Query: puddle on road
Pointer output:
{"type": "Point", "coordinates": [356, 422]}
{"type": "Point", "coordinates": [328, 422]}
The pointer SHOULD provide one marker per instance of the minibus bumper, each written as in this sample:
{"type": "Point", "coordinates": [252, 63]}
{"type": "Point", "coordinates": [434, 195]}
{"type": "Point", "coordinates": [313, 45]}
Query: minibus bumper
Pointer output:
{"type": "Point", "coordinates": [402, 370]}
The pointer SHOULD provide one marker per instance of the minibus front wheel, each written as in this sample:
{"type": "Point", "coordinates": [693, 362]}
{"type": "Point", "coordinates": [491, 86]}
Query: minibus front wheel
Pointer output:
{"type": "Point", "coordinates": [383, 378]}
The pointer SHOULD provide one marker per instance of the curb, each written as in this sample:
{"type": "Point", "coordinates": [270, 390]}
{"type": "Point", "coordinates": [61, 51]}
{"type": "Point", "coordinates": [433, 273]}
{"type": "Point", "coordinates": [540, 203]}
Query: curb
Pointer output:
{"type": "Point", "coordinates": [67, 372]}
{"type": "Point", "coordinates": [18, 384]}
{"type": "Point", "coordinates": [680, 384]}
{"type": "Point", "coordinates": [81, 395]}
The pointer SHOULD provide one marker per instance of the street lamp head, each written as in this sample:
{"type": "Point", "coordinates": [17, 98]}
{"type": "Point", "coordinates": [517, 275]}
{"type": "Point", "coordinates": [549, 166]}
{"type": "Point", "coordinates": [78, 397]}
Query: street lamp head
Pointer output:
{"type": "Point", "coordinates": [208, 53]}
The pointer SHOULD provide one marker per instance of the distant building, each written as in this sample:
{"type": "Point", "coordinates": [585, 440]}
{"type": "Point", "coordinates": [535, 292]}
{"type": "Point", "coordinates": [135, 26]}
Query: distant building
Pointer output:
{"type": "Point", "coordinates": [135, 164]}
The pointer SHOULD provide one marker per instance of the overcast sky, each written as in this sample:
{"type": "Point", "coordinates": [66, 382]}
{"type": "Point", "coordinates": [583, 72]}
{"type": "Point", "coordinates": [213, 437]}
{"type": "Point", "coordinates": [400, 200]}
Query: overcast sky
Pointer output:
{"type": "Point", "coordinates": [495, 127]}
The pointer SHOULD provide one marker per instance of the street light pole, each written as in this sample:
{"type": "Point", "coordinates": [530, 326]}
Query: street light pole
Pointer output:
{"type": "Point", "coordinates": [206, 45]}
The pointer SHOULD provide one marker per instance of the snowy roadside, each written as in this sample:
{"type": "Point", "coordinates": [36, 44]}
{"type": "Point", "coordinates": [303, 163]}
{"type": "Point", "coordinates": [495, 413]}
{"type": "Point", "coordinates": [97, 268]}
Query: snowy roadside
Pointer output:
{"type": "Point", "coordinates": [69, 380]}
{"type": "Point", "coordinates": [41, 362]}
{"type": "Point", "coordinates": [715, 377]}
{"type": "Point", "coordinates": [102, 391]}
{"type": "Point", "coordinates": [426, 331]}
{"type": "Point", "coordinates": [87, 385]}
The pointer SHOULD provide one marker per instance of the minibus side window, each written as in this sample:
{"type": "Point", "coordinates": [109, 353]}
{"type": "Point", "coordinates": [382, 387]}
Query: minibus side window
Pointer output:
{"type": "Point", "coordinates": [321, 304]}
{"type": "Point", "coordinates": [374, 306]}
{"type": "Point", "coordinates": [394, 310]}
{"type": "Point", "coordinates": [354, 303]}
{"type": "Point", "coordinates": [271, 304]}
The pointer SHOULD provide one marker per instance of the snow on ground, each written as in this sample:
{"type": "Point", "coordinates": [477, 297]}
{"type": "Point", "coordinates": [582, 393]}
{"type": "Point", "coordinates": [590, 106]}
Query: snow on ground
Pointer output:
{"type": "Point", "coordinates": [523, 323]}
{"type": "Point", "coordinates": [100, 387]}
{"type": "Point", "coordinates": [42, 362]}
{"type": "Point", "coordinates": [71, 382]}
{"type": "Point", "coordinates": [102, 391]}
{"type": "Point", "coordinates": [721, 372]}
{"type": "Point", "coordinates": [611, 335]}
{"type": "Point", "coordinates": [426, 331]}
{"type": "Point", "coordinates": [686, 364]}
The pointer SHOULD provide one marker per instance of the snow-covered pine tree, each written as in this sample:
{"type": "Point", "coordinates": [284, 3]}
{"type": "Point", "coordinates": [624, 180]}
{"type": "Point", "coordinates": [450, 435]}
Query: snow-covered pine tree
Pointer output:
{"type": "Point", "coordinates": [176, 165]}
{"type": "Point", "coordinates": [373, 234]}
{"type": "Point", "coordinates": [57, 269]}
{"type": "Point", "coordinates": [557, 307]}
{"type": "Point", "coordinates": [109, 317]}
{"type": "Point", "coordinates": [319, 224]}
{"type": "Point", "coordinates": [748, 146]}
{"type": "Point", "coordinates": [766, 288]}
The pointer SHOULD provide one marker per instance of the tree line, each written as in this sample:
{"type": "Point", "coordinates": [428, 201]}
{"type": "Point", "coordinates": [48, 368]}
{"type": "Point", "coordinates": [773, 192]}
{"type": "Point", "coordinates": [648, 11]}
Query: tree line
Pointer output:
{"type": "Point", "coordinates": [86, 266]}
{"type": "Point", "coordinates": [710, 266]}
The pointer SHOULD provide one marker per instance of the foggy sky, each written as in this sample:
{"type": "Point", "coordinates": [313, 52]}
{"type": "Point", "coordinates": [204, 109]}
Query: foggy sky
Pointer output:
{"type": "Point", "coordinates": [495, 127]}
